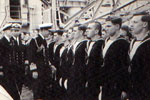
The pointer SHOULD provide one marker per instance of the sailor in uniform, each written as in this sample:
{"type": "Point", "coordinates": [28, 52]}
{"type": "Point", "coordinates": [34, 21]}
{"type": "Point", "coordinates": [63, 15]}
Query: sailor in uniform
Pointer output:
{"type": "Point", "coordinates": [57, 47]}
{"type": "Point", "coordinates": [69, 60]}
{"type": "Point", "coordinates": [51, 47]}
{"type": "Point", "coordinates": [76, 80]}
{"type": "Point", "coordinates": [94, 60]}
{"type": "Point", "coordinates": [140, 57]}
{"type": "Point", "coordinates": [24, 63]}
{"type": "Point", "coordinates": [63, 64]}
{"type": "Point", "coordinates": [114, 71]}
{"type": "Point", "coordinates": [39, 62]}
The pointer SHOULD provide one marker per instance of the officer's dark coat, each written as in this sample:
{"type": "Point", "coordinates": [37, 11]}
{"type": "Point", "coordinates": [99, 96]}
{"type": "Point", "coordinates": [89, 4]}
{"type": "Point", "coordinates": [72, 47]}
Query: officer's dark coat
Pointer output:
{"type": "Point", "coordinates": [8, 68]}
{"type": "Point", "coordinates": [22, 52]}
{"type": "Point", "coordinates": [114, 72]}
{"type": "Point", "coordinates": [19, 50]}
{"type": "Point", "coordinates": [15, 50]}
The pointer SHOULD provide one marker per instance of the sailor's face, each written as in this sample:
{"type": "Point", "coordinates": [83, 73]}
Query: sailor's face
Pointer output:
{"type": "Point", "coordinates": [64, 37]}
{"type": "Point", "coordinates": [71, 35]}
{"type": "Point", "coordinates": [45, 32]}
{"type": "Point", "coordinates": [22, 36]}
{"type": "Point", "coordinates": [25, 30]}
{"type": "Point", "coordinates": [50, 36]}
{"type": "Point", "coordinates": [136, 25]}
{"type": "Point", "coordinates": [56, 37]}
{"type": "Point", "coordinates": [75, 29]}
{"type": "Point", "coordinates": [26, 37]}
{"type": "Point", "coordinates": [90, 31]}
{"type": "Point", "coordinates": [8, 33]}
{"type": "Point", "coordinates": [77, 34]}
{"type": "Point", "coordinates": [110, 28]}
{"type": "Point", "coordinates": [123, 32]}
{"type": "Point", "coordinates": [16, 32]}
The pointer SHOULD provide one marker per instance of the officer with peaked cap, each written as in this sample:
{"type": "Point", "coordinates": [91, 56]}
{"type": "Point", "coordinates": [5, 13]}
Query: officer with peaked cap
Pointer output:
{"type": "Point", "coordinates": [7, 69]}
{"type": "Point", "coordinates": [38, 62]}
{"type": "Point", "coordinates": [16, 44]}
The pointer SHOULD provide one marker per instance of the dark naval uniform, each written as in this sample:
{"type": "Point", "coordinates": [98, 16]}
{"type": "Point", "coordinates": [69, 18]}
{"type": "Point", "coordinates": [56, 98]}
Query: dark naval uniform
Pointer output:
{"type": "Point", "coordinates": [114, 72]}
{"type": "Point", "coordinates": [51, 53]}
{"type": "Point", "coordinates": [21, 61]}
{"type": "Point", "coordinates": [69, 61]}
{"type": "Point", "coordinates": [37, 55]}
{"type": "Point", "coordinates": [139, 69]}
{"type": "Point", "coordinates": [9, 68]}
{"type": "Point", "coordinates": [63, 70]}
{"type": "Point", "coordinates": [57, 66]}
{"type": "Point", "coordinates": [50, 73]}
{"type": "Point", "coordinates": [18, 61]}
{"type": "Point", "coordinates": [77, 72]}
{"type": "Point", "coordinates": [94, 62]}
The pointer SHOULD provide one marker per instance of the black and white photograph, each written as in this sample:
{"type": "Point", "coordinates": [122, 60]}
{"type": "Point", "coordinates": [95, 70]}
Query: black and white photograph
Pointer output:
{"type": "Point", "coordinates": [74, 49]}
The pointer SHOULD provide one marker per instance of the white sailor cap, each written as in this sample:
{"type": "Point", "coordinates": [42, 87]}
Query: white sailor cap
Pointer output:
{"type": "Point", "coordinates": [46, 26]}
{"type": "Point", "coordinates": [25, 25]}
{"type": "Point", "coordinates": [61, 27]}
{"type": "Point", "coordinates": [6, 27]}
{"type": "Point", "coordinates": [16, 25]}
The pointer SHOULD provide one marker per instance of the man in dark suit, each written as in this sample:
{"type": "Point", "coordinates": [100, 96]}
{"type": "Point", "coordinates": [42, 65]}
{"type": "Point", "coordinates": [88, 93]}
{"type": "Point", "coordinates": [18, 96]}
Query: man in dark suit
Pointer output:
{"type": "Point", "coordinates": [114, 72]}
{"type": "Point", "coordinates": [18, 54]}
{"type": "Point", "coordinates": [94, 61]}
{"type": "Point", "coordinates": [8, 71]}
{"type": "Point", "coordinates": [39, 67]}
{"type": "Point", "coordinates": [76, 80]}
{"type": "Point", "coordinates": [140, 57]}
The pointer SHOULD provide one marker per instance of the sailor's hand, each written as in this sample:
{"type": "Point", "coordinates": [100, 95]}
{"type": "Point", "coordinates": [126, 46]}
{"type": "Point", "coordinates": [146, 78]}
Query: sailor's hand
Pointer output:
{"type": "Point", "coordinates": [35, 75]}
{"type": "Point", "coordinates": [26, 61]}
{"type": "Point", "coordinates": [53, 68]}
{"type": "Point", "coordinates": [65, 84]}
{"type": "Point", "coordinates": [60, 82]}
{"type": "Point", "coordinates": [124, 96]}
{"type": "Point", "coordinates": [100, 93]}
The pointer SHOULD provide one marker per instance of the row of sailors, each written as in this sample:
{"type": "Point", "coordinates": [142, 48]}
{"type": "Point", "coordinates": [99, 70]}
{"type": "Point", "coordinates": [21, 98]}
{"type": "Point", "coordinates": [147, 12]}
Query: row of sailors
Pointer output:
{"type": "Point", "coordinates": [79, 65]}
